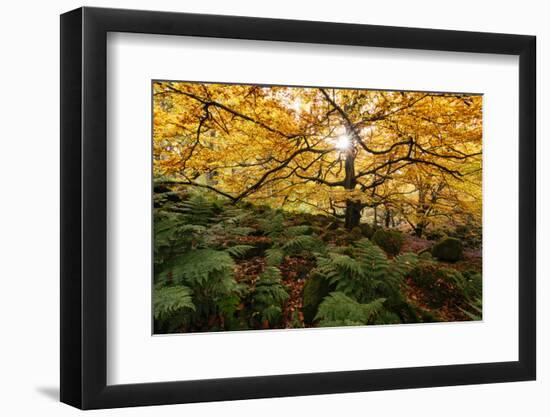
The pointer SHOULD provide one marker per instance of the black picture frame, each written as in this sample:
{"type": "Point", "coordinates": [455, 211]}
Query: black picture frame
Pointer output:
{"type": "Point", "coordinates": [84, 207]}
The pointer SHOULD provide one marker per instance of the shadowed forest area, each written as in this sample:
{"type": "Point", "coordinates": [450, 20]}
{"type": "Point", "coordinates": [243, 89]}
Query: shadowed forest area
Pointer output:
{"type": "Point", "coordinates": [289, 207]}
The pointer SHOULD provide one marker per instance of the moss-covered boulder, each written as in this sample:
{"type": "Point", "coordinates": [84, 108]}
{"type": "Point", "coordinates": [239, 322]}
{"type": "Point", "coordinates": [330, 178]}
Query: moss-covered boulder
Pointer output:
{"type": "Point", "coordinates": [391, 241]}
{"type": "Point", "coordinates": [315, 289]}
{"type": "Point", "coordinates": [367, 230]}
{"type": "Point", "coordinates": [355, 234]}
{"type": "Point", "coordinates": [448, 249]}
{"type": "Point", "coordinates": [342, 236]}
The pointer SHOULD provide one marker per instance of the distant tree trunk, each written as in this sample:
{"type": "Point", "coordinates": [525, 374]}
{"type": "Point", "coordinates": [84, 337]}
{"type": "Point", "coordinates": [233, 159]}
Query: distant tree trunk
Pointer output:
{"type": "Point", "coordinates": [387, 218]}
{"type": "Point", "coordinates": [425, 207]}
{"type": "Point", "coordinates": [353, 214]}
{"type": "Point", "coordinates": [419, 229]}
{"type": "Point", "coordinates": [420, 214]}
{"type": "Point", "coordinates": [353, 207]}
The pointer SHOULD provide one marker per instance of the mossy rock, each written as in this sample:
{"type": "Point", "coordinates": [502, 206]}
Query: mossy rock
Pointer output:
{"type": "Point", "coordinates": [355, 234]}
{"type": "Point", "coordinates": [448, 249]}
{"type": "Point", "coordinates": [315, 289]}
{"type": "Point", "coordinates": [367, 230]}
{"type": "Point", "coordinates": [342, 236]}
{"type": "Point", "coordinates": [391, 241]}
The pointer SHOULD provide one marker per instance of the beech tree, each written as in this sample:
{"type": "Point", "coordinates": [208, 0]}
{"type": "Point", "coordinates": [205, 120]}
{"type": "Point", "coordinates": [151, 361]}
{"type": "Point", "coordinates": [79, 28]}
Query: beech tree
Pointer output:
{"type": "Point", "coordinates": [327, 150]}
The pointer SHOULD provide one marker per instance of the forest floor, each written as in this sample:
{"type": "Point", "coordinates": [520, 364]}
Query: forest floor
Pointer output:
{"type": "Point", "coordinates": [279, 268]}
{"type": "Point", "coordinates": [295, 269]}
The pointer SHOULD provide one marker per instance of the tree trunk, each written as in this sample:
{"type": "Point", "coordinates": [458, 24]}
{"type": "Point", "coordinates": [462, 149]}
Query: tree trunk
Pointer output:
{"type": "Point", "coordinates": [419, 229]}
{"type": "Point", "coordinates": [387, 219]}
{"type": "Point", "coordinates": [353, 207]}
{"type": "Point", "coordinates": [353, 214]}
{"type": "Point", "coordinates": [420, 213]}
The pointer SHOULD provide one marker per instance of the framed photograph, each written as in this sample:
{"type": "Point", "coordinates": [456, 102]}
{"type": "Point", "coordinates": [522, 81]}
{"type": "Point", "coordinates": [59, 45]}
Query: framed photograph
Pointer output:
{"type": "Point", "coordinates": [257, 208]}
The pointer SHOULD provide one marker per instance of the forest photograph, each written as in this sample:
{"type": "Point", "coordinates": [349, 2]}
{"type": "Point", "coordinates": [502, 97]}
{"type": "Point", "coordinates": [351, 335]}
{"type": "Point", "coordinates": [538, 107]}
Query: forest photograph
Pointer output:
{"type": "Point", "coordinates": [284, 207]}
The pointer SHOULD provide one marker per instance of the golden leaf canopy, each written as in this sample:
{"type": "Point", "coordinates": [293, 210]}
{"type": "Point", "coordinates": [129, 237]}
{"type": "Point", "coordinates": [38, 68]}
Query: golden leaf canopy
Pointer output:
{"type": "Point", "coordinates": [318, 149]}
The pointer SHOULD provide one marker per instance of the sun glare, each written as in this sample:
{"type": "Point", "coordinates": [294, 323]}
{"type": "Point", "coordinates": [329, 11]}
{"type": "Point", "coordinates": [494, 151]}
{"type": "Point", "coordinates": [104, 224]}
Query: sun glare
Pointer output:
{"type": "Point", "coordinates": [343, 143]}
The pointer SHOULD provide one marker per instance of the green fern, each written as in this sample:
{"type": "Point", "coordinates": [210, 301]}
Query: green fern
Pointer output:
{"type": "Point", "coordinates": [269, 289]}
{"type": "Point", "coordinates": [273, 226]}
{"type": "Point", "coordinates": [473, 286]}
{"type": "Point", "coordinates": [239, 230]}
{"type": "Point", "coordinates": [337, 309]}
{"type": "Point", "coordinates": [198, 210]}
{"type": "Point", "coordinates": [398, 268]}
{"type": "Point", "coordinates": [475, 310]}
{"type": "Point", "coordinates": [272, 314]}
{"type": "Point", "coordinates": [197, 267]}
{"type": "Point", "coordinates": [375, 266]}
{"type": "Point", "coordinates": [274, 256]}
{"type": "Point", "coordinates": [269, 295]}
{"type": "Point", "coordinates": [364, 272]}
{"type": "Point", "coordinates": [170, 300]}
{"type": "Point", "coordinates": [298, 230]}
{"type": "Point", "coordinates": [173, 235]}
{"type": "Point", "coordinates": [342, 271]}
{"type": "Point", "coordinates": [239, 251]}
{"type": "Point", "coordinates": [300, 243]}
{"type": "Point", "coordinates": [387, 317]}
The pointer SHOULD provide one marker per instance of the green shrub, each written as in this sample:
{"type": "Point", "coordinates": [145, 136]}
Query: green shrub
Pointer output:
{"type": "Point", "coordinates": [389, 240]}
{"type": "Point", "coordinates": [448, 249]}
{"type": "Point", "coordinates": [315, 289]}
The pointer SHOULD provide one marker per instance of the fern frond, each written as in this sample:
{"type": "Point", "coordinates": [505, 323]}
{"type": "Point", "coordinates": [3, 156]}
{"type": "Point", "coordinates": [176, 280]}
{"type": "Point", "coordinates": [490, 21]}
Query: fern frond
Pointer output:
{"type": "Point", "coordinates": [169, 300]}
{"type": "Point", "coordinates": [272, 314]}
{"type": "Point", "coordinates": [300, 243]}
{"type": "Point", "coordinates": [373, 259]}
{"type": "Point", "coordinates": [271, 273]}
{"type": "Point", "coordinates": [198, 210]}
{"type": "Point", "coordinates": [298, 230]}
{"type": "Point", "coordinates": [269, 295]}
{"type": "Point", "coordinates": [239, 251]}
{"type": "Point", "coordinates": [337, 309]}
{"type": "Point", "coordinates": [274, 256]}
{"type": "Point", "coordinates": [399, 268]}
{"type": "Point", "coordinates": [475, 312]}
{"type": "Point", "coordinates": [273, 226]}
{"type": "Point", "coordinates": [240, 230]}
{"type": "Point", "coordinates": [269, 290]}
{"type": "Point", "coordinates": [197, 266]}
